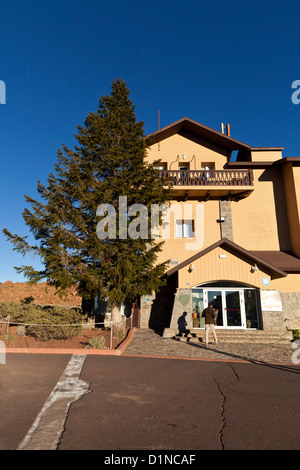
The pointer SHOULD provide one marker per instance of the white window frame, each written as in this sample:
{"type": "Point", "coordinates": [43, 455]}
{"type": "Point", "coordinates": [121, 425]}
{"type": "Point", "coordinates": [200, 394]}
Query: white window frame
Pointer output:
{"type": "Point", "coordinates": [184, 229]}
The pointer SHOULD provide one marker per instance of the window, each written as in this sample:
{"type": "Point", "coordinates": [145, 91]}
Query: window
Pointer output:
{"type": "Point", "coordinates": [184, 166]}
{"type": "Point", "coordinates": [209, 167]}
{"type": "Point", "coordinates": [161, 166]}
{"type": "Point", "coordinates": [185, 229]}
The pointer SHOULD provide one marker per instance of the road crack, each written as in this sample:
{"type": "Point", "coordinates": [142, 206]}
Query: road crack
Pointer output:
{"type": "Point", "coordinates": [223, 418]}
{"type": "Point", "coordinates": [223, 415]}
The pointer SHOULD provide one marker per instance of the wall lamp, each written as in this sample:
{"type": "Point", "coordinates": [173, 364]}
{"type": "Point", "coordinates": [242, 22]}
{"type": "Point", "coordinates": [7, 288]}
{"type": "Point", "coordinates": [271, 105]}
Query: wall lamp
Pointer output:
{"type": "Point", "coordinates": [191, 268]}
{"type": "Point", "coordinates": [254, 268]}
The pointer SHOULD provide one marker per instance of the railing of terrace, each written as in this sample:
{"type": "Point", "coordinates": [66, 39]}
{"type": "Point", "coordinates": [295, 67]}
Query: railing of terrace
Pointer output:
{"type": "Point", "coordinates": [208, 177]}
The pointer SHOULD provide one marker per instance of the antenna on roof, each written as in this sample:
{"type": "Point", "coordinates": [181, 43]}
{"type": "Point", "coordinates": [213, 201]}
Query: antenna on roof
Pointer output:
{"type": "Point", "coordinates": [222, 127]}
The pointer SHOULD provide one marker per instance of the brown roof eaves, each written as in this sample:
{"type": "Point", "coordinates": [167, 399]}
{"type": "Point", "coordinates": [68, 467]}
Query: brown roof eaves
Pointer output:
{"type": "Point", "coordinates": [295, 161]}
{"type": "Point", "coordinates": [266, 149]}
{"type": "Point", "coordinates": [286, 261]}
{"type": "Point", "coordinates": [229, 244]}
{"type": "Point", "coordinates": [248, 164]}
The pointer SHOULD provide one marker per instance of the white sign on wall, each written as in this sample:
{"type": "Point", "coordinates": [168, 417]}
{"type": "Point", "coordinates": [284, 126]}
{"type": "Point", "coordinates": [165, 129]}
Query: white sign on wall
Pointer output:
{"type": "Point", "coordinates": [270, 301]}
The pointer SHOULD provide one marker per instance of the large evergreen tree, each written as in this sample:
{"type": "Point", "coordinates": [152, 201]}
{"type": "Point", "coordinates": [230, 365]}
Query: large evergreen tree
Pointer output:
{"type": "Point", "coordinates": [107, 167]}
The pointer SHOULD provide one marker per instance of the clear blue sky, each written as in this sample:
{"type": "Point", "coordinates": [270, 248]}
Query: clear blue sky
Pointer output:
{"type": "Point", "coordinates": [230, 61]}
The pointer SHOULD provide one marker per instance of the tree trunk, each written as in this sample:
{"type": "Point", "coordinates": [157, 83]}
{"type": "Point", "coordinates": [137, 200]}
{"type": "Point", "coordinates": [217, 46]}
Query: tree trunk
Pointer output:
{"type": "Point", "coordinates": [116, 316]}
{"type": "Point", "coordinates": [87, 307]}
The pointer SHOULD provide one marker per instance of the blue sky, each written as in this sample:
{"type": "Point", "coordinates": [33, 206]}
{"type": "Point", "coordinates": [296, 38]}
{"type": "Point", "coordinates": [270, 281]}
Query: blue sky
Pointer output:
{"type": "Point", "coordinates": [214, 61]}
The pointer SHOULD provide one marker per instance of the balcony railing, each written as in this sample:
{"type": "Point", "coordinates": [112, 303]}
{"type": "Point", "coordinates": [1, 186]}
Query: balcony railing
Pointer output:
{"type": "Point", "coordinates": [208, 177]}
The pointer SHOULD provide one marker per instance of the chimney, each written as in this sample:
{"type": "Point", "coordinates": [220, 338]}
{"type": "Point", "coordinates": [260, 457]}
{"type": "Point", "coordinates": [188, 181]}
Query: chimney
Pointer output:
{"type": "Point", "coordinates": [225, 129]}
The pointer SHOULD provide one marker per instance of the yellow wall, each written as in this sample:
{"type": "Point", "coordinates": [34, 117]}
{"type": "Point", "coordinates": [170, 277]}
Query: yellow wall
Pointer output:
{"type": "Point", "coordinates": [260, 221]}
{"type": "Point", "coordinates": [268, 219]}
{"type": "Point", "coordinates": [266, 155]}
{"type": "Point", "coordinates": [183, 248]}
{"type": "Point", "coordinates": [291, 176]}
{"type": "Point", "coordinates": [290, 283]}
{"type": "Point", "coordinates": [172, 149]}
{"type": "Point", "coordinates": [211, 267]}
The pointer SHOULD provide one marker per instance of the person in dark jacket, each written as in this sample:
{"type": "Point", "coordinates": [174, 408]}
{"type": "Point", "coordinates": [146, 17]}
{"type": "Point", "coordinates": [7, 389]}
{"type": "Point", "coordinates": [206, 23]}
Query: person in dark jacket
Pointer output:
{"type": "Point", "coordinates": [210, 319]}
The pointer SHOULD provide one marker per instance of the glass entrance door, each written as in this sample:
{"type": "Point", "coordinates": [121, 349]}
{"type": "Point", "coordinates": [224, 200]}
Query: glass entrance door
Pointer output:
{"type": "Point", "coordinates": [233, 312]}
{"type": "Point", "coordinates": [229, 306]}
{"type": "Point", "coordinates": [216, 298]}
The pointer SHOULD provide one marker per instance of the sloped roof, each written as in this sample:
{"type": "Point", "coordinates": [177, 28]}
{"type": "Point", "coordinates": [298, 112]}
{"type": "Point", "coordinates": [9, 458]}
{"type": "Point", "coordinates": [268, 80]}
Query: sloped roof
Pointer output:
{"type": "Point", "coordinates": [225, 243]}
{"type": "Point", "coordinates": [286, 261]}
{"type": "Point", "coordinates": [198, 129]}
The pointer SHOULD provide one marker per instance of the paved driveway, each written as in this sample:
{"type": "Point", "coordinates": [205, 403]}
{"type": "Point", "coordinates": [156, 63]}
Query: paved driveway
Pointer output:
{"type": "Point", "coordinates": [154, 403]}
{"type": "Point", "coordinates": [26, 380]}
{"type": "Point", "coordinates": [139, 403]}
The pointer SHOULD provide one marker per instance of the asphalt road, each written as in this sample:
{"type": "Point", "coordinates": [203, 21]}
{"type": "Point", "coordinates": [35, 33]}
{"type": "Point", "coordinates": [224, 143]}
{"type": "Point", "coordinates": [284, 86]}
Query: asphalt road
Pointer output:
{"type": "Point", "coordinates": [153, 404]}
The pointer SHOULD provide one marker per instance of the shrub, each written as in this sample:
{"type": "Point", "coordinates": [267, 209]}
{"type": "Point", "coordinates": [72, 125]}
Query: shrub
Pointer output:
{"type": "Point", "coordinates": [97, 342]}
{"type": "Point", "coordinates": [44, 323]}
{"type": "Point", "coordinates": [27, 300]}
{"type": "Point", "coordinates": [295, 333]}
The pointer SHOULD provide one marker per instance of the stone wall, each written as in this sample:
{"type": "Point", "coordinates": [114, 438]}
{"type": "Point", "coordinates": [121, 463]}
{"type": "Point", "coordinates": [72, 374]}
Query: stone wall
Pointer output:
{"type": "Point", "coordinates": [182, 312]}
{"type": "Point", "coordinates": [146, 306]}
{"type": "Point", "coordinates": [277, 322]}
{"type": "Point", "coordinates": [226, 226]}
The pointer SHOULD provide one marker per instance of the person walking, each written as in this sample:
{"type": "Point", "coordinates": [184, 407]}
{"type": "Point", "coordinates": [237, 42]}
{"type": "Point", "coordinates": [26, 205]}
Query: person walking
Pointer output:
{"type": "Point", "coordinates": [210, 320]}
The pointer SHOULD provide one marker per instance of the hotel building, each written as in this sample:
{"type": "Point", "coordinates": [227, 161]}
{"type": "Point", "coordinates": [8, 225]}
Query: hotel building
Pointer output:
{"type": "Point", "coordinates": [233, 236]}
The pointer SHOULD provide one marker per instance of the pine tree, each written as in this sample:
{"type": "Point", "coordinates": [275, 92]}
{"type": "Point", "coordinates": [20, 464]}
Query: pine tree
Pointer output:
{"type": "Point", "coordinates": [107, 169]}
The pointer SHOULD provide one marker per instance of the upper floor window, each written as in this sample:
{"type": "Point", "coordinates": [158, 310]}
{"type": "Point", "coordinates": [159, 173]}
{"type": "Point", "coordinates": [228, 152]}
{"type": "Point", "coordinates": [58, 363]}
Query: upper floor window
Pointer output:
{"type": "Point", "coordinates": [185, 229]}
{"type": "Point", "coordinates": [161, 166]}
{"type": "Point", "coordinates": [207, 166]}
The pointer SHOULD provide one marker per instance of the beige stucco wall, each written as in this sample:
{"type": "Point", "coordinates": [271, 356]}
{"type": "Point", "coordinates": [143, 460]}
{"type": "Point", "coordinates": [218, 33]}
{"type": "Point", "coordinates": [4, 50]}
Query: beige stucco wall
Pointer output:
{"type": "Point", "coordinates": [207, 228]}
{"type": "Point", "coordinates": [211, 267]}
{"type": "Point", "coordinates": [268, 219]}
{"type": "Point", "coordinates": [196, 151]}
{"type": "Point", "coordinates": [266, 155]}
{"type": "Point", "coordinates": [290, 283]}
{"type": "Point", "coordinates": [260, 221]}
{"type": "Point", "coordinates": [291, 177]}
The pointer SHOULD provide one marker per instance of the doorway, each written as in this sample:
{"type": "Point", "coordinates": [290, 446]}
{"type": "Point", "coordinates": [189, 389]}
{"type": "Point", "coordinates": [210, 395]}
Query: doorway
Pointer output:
{"type": "Point", "coordinates": [236, 308]}
{"type": "Point", "coordinates": [229, 305]}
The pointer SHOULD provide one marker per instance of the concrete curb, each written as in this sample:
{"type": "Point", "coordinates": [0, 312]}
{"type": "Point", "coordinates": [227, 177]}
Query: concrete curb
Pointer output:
{"type": "Point", "coordinates": [88, 352]}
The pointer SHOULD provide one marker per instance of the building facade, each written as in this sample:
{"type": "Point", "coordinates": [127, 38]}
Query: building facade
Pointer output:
{"type": "Point", "coordinates": [232, 234]}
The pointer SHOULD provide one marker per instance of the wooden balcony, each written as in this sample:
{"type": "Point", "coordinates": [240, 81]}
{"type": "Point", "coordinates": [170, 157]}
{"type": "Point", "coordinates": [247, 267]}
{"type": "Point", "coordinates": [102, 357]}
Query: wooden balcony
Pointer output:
{"type": "Point", "coordinates": [232, 184]}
